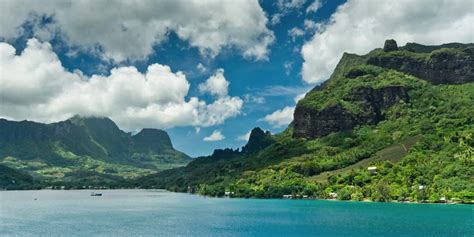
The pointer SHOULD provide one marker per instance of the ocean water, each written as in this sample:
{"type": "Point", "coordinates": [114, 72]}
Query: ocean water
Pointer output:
{"type": "Point", "coordinates": [161, 213]}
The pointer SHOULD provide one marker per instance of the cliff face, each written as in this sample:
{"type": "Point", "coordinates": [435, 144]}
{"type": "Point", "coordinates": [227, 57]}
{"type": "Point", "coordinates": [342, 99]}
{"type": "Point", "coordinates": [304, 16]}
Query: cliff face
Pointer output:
{"type": "Point", "coordinates": [363, 87]}
{"type": "Point", "coordinates": [444, 66]}
{"type": "Point", "coordinates": [151, 139]}
{"type": "Point", "coordinates": [311, 123]}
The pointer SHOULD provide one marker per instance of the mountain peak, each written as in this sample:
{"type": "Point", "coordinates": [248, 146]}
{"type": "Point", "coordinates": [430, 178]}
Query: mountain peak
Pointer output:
{"type": "Point", "coordinates": [258, 140]}
{"type": "Point", "coordinates": [151, 136]}
{"type": "Point", "coordinates": [390, 45]}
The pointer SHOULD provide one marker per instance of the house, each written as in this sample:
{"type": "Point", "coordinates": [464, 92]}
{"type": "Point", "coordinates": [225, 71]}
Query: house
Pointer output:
{"type": "Point", "coordinates": [333, 195]}
{"type": "Point", "coordinates": [372, 169]}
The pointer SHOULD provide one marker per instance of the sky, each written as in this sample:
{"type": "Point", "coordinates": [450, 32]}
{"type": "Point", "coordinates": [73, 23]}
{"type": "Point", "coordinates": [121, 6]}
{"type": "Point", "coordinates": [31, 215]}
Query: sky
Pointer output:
{"type": "Point", "coordinates": [205, 71]}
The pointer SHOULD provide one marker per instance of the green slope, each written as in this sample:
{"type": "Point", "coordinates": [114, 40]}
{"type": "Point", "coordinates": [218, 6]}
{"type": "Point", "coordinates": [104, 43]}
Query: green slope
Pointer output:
{"type": "Point", "coordinates": [59, 152]}
{"type": "Point", "coordinates": [14, 179]}
{"type": "Point", "coordinates": [356, 119]}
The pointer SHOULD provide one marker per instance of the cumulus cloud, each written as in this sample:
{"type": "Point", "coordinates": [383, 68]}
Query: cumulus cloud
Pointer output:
{"type": "Point", "coordinates": [34, 85]}
{"type": "Point", "coordinates": [129, 29]}
{"type": "Point", "coordinates": [215, 85]}
{"type": "Point", "coordinates": [280, 117]}
{"type": "Point", "coordinates": [215, 136]}
{"type": "Point", "coordinates": [244, 137]}
{"type": "Point", "coordinates": [283, 116]}
{"type": "Point", "coordinates": [358, 26]}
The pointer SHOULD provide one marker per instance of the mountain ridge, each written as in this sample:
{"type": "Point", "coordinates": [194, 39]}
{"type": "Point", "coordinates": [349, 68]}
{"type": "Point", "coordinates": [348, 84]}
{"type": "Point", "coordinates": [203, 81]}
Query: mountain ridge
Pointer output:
{"type": "Point", "coordinates": [92, 144]}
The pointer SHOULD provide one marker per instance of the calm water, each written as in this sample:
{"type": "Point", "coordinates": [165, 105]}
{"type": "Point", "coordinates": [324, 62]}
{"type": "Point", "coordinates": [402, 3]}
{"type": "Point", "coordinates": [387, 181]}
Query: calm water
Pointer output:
{"type": "Point", "coordinates": [145, 213]}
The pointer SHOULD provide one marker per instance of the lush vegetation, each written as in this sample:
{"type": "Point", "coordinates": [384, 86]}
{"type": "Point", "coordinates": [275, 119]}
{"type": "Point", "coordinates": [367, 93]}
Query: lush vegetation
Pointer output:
{"type": "Point", "coordinates": [84, 152]}
{"type": "Point", "coordinates": [14, 179]}
{"type": "Point", "coordinates": [423, 150]}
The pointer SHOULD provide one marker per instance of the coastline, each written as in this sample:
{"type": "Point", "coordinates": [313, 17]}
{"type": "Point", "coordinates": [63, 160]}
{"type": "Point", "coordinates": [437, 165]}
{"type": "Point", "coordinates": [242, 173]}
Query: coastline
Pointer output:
{"type": "Point", "coordinates": [256, 198]}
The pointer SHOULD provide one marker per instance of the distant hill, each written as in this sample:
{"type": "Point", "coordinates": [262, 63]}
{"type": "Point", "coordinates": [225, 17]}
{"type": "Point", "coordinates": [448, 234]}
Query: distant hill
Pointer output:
{"type": "Point", "coordinates": [408, 113]}
{"type": "Point", "coordinates": [14, 179]}
{"type": "Point", "coordinates": [85, 145]}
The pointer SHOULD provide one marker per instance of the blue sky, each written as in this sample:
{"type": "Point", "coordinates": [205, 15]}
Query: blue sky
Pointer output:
{"type": "Point", "coordinates": [270, 53]}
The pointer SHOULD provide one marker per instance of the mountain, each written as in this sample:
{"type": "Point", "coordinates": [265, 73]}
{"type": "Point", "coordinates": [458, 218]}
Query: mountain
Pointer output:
{"type": "Point", "coordinates": [81, 148]}
{"type": "Point", "coordinates": [405, 112]}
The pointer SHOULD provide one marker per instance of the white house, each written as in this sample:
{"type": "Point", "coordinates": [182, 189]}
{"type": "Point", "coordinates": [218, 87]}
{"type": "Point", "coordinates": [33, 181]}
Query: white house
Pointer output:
{"type": "Point", "coordinates": [372, 169]}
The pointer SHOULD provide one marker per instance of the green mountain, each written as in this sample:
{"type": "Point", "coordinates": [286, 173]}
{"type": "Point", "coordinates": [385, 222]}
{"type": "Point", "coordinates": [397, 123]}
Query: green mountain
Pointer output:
{"type": "Point", "coordinates": [407, 113]}
{"type": "Point", "coordinates": [88, 150]}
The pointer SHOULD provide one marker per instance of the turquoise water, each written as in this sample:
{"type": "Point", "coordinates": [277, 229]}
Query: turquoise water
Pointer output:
{"type": "Point", "coordinates": [161, 213]}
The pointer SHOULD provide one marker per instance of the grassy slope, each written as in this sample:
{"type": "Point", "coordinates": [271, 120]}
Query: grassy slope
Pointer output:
{"type": "Point", "coordinates": [394, 153]}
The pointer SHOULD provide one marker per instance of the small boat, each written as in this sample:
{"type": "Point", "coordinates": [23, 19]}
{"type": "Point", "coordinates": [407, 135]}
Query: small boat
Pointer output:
{"type": "Point", "coordinates": [94, 194]}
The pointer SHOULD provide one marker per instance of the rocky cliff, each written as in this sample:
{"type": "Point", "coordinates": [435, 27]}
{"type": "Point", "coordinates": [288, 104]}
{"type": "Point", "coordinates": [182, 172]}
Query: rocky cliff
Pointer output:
{"type": "Point", "coordinates": [362, 88]}
{"type": "Point", "coordinates": [311, 123]}
{"type": "Point", "coordinates": [442, 66]}
{"type": "Point", "coordinates": [257, 141]}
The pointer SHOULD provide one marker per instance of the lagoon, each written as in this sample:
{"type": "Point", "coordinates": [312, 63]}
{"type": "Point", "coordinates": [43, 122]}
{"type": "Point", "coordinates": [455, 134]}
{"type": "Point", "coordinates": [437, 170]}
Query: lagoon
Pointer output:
{"type": "Point", "coordinates": [162, 213]}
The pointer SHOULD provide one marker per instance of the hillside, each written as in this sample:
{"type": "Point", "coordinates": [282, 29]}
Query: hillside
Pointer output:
{"type": "Point", "coordinates": [14, 179]}
{"type": "Point", "coordinates": [408, 112]}
{"type": "Point", "coordinates": [81, 148]}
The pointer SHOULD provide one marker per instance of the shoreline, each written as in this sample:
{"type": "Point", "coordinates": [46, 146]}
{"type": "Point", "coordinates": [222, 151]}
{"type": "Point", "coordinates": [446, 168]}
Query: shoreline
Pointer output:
{"type": "Point", "coordinates": [256, 198]}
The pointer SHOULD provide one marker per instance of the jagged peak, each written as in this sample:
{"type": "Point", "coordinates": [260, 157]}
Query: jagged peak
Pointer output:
{"type": "Point", "coordinates": [258, 140]}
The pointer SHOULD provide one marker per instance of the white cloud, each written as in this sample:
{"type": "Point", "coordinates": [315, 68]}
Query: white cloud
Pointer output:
{"type": "Point", "coordinates": [311, 26]}
{"type": "Point", "coordinates": [201, 68]}
{"type": "Point", "coordinates": [248, 98]}
{"type": "Point", "coordinates": [295, 32]}
{"type": "Point", "coordinates": [215, 85]}
{"type": "Point", "coordinates": [244, 137]}
{"type": "Point", "coordinates": [215, 136]}
{"type": "Point", "coordinates": [35, 86]}
{"type": "Point", "coordinates": [276, 18]}
{"type": "Point", "coordinates": [283, 117]}
{"type": "Point", "coordinates": [282, 90]}
{"type": "Point", "coordinates": [285, 7]}
{"type": "Point", "coordinates": [280, 117]}
{"type": "Point", "coordinates": [129, 29]}
{"type": "Point", "coordinates": [290, 4]}
{"type": "Point", "coordinates": [288, 66]}
{"type": "Point", "coordinates": [358, 26]}
{"type": "Point", "coordinates": [314, 7]}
